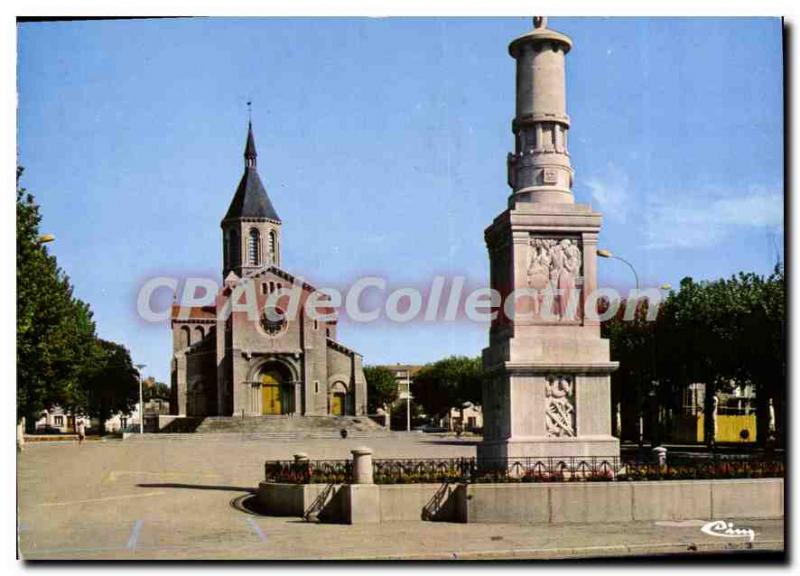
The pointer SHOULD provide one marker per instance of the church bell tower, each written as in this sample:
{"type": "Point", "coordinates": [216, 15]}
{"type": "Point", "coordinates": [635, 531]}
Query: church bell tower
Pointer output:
{"type": "Point", "coordinates": [251, 228]}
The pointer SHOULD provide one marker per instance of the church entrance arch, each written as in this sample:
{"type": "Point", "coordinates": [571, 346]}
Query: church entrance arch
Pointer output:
{"type": "Point", "coordinates": [339, 399]}
{"type": "Point", "coordinates": [196, 398]}
{"type": "Point", "coordinates": [277, 390]}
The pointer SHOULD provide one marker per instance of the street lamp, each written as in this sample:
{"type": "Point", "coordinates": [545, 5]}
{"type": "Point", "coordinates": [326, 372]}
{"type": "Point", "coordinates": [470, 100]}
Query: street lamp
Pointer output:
{"type": "Point", "coordinates": [45, 238]}
{"type": "Point", "coordinates": [665, 287]}
{"type": "Point", "coordinates": [407, 395]}
{"type": "Point", "coordinates": [141, 401]}
{"type": "Point", "coordinates": [608, 254]}
{"type": "Point", "coordinates": [659, 422]}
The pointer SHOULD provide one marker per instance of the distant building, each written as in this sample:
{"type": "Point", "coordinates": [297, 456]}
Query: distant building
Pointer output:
{"type": "Point", "coordinates": [156, 406]}
{"type": "Point", "coordinates": [153, 410]}
{"type": "Point", "coordinates": [120, 422]}
{"type": "Point", "coordinates": [404, 375]}
{"type": "Point", "coordinates": [468, 418]}
{"type": "Point", "coordinates": [736, 414]}
{"type": "Point", "coordinates": [56, 420]}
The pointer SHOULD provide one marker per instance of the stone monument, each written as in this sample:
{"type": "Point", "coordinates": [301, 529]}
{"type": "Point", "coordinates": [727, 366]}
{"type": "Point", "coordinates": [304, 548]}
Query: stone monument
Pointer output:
{"type": "Point", "coordinates": [548, 390]}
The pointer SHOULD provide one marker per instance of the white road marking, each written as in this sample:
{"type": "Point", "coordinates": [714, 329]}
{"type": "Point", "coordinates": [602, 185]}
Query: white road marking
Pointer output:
{"type": "Point", "coordinates": [113, 475]}
{"type": "Point", "coordinates": [104, 499]}
{"type": "Point", "coordinates": [680, 523]}
{"type": "Point", "coordinates": [257, 529]}
{"type": "Point", "coordinates": [134, 537]}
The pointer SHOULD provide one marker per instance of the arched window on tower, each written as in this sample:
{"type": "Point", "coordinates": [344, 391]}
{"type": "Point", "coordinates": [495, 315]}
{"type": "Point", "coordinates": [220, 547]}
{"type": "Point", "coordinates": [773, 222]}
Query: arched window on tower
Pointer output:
{"type": "Point", "coordinates": [226, 250]}
{"type": "Point", "coordinates": [185, 337]}
{"type": "Point", "coordinates": [273, 247]}
{"type": "Point", "coordinates": [235, 249]}
{"type": "Point", "coordinates": [254, 248]}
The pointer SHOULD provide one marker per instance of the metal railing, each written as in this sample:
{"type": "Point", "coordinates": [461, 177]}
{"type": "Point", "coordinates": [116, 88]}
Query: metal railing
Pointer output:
{"type": "Point", "coordinates": [309, 471]}
{"type": "Point", "coordinates": [533, 469]}
{"type": "Point", "coordinates": [707, 467]}
{"type": "Point", "coordinates": [318, 505]}
{"type": "Point", "coordinates": [549, 469]}
{"type": "Point", "coordinates": [418, 470]}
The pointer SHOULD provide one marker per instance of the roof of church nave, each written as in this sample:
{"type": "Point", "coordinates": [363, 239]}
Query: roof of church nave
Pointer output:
{"type": "Point", "coordinates": [209, 312]}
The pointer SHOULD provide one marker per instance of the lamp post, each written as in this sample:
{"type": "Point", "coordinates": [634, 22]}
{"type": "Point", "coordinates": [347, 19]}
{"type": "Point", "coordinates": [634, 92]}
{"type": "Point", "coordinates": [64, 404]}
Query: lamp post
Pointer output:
{"type": "Point", "coordinates": [666, 287]}
{"type": "Point", "coordinates": [141, 401]}
{"type": "Point", "coordinates": [407, 395]}
{"type": "Point", "coordinates": [608, 254]}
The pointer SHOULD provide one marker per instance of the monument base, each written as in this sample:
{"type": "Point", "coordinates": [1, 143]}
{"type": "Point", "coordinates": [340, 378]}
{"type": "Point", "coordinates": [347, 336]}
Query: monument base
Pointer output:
{"type": "Point", "coordinates": [541, 447]}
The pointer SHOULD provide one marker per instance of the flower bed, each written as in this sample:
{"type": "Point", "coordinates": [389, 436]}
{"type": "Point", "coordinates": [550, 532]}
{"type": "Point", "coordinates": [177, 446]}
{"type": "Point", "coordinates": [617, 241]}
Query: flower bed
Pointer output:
{"type": "Point", "coordinates": [569, 469]}
{"type": "Point", "coordinates": [309, 471]}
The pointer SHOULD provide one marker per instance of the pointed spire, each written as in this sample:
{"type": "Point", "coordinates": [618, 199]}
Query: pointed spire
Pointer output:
{"type": "Point", "coordinates": [250, 199]}
{"type": "Point", "coordinates": [250, 148]}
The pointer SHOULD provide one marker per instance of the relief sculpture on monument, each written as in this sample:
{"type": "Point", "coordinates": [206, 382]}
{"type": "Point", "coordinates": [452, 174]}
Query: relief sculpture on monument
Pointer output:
{"type": "Point", "coordinates": [554, 269]}
{"type": "Point", "coordinates": [559, 393]}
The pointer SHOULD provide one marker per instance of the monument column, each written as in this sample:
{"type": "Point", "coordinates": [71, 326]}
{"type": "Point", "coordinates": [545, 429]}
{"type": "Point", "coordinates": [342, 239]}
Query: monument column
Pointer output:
{"type": "Point", "coordinates": [548, 390]}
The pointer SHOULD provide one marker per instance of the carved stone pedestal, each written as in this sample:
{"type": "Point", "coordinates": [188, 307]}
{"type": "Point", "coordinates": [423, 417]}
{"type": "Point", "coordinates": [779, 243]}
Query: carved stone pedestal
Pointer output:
{"type": "Point", "coordinates": [549, 390]}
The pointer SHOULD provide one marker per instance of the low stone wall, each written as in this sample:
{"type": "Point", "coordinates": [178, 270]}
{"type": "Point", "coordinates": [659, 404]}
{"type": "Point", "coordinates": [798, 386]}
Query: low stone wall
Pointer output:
{"type": "Point", "coordinates": [403, 502]}
{"type": "Point", "coordinates": [375, 502]}
{"type": "Point", "coordinates": [277, 499]}
{"type": "Point", "coordinates": [604, 502]}
{"type": "Point", "coordinates": [52, 437]}
{"type": "Point", "coordinates": [534, 503]}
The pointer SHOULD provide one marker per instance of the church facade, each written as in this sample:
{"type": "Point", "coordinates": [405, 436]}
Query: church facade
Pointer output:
{"type": "Point", "coordinates": [235, 364]}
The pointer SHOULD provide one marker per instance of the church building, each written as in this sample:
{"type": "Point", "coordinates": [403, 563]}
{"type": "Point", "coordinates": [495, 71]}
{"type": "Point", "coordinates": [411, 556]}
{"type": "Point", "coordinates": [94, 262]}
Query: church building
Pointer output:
{"type": "Point", "coordinates": [244, 366]}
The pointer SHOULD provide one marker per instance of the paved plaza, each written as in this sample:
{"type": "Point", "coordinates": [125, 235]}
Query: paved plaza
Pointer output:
{"type": "Point", "coordinates": [175, 498]}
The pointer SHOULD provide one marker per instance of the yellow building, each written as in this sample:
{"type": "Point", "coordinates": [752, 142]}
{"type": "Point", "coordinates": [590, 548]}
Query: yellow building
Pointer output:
{"type": "Point", "coordinates": [736, 418]}
{"type": "Point", "coordinates": [690, 428]}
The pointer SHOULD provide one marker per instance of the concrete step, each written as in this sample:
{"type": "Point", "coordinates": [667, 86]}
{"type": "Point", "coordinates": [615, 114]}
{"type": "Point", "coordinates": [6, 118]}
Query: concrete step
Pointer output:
{"type": "Point", "coordinates": [288, 424]}
{"type": "Point", "coordinates": [268, 436]}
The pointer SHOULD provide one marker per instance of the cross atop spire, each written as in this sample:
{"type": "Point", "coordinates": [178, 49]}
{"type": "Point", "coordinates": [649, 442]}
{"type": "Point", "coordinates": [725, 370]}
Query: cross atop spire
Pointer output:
{"type": "Point", "coordinates": [250, 147]}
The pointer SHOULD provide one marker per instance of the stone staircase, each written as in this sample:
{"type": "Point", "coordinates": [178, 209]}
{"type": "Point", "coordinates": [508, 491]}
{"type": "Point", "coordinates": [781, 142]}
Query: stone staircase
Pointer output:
{"type": "Point", "coordinates": [292, 427]}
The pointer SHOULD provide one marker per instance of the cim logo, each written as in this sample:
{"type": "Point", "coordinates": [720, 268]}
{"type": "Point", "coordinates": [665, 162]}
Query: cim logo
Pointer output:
{"type": "Point", "coordinates": [726, 530]}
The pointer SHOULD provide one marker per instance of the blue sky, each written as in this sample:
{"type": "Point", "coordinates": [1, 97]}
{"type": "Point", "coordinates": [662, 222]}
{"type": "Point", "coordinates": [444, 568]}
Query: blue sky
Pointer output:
{"type": "Point", "coordinates": [382, 143]}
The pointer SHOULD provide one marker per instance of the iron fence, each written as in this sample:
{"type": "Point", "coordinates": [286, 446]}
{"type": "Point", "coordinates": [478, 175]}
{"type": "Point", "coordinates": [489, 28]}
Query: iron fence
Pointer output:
{"type": "Point", "coordinates": [309, 471]}
{"type": "Point", "coordinates": [549, 469]}
{"type": "Point", "coordinates": [705, 467]}
{"type": "Point", "coordinates": [420, 470]}
{"type": "Point", "coordinates": [532, 469]}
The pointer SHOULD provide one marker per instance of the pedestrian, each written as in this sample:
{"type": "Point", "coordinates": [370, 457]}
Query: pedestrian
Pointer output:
{"type": "Point", "coordinates": [81, 429]}
{"type": "Point", "coordinates": [21, 435]}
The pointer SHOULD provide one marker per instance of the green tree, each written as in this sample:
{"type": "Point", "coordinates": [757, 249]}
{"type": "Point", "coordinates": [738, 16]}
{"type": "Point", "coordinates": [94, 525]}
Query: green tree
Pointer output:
{"type": "Point", "coordinates": [712, 332]}
{"type": "Point", "coordinates": [55, 330]}
{"type": "Point", "coordinates": [448, 383]}
{"type": "Point", "coordinates": [381, 387]}
{"type": "Point", "coordinates": [113, 383]}
{"type": "Point", "coordinates": [155, 390]}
